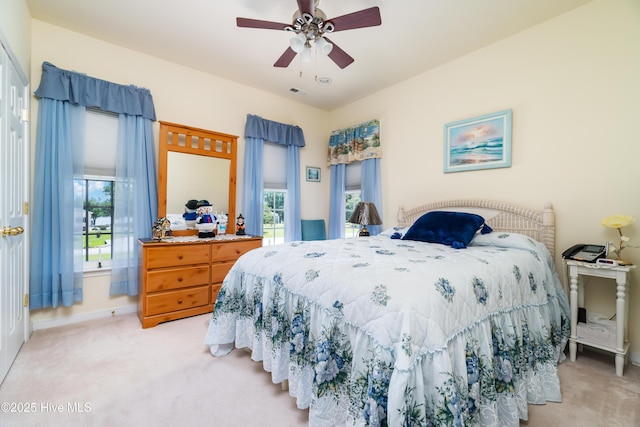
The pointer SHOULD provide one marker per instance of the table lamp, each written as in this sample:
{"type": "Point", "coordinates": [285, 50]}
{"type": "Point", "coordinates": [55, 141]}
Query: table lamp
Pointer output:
{"type": "Point", "coordinates": [365, 214]}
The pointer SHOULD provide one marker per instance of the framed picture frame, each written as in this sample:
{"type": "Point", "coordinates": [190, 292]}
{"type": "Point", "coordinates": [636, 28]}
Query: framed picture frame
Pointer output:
{"type": "Point", "coordinates": [313, 174]}
{"type": "Point", "coordinates": [482, 142]}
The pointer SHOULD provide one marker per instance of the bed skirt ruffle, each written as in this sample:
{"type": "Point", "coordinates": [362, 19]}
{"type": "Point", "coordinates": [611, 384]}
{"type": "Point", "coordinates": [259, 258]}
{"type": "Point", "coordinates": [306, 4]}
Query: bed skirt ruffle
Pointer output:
{"type": "Point", "coordinates": [486, 376]}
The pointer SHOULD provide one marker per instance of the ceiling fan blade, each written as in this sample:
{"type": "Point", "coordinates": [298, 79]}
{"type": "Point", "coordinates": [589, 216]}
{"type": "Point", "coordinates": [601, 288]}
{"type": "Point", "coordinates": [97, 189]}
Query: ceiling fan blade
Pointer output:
{"type": "Point", "coordinates": [339, 56]}
{"type": "Point", "coordinates": [285, 59]}
{"type": "Point", "coordinates": [256, 23]}
{"type": "Point", "coordinates": [306, 6]}
{"type": "Point", "coordinates": [361, 19]}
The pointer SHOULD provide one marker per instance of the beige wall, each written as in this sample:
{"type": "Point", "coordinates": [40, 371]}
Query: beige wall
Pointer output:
{"type": "Point", "coordinates": [571, 82]}
{"type": "Point", "coordinates": [15, 26]}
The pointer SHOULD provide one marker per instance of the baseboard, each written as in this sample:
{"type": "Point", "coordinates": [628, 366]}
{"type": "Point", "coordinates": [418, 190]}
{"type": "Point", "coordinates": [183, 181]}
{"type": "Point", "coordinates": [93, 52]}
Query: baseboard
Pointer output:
{"type": "Point", "coordinates": [83, 317]}
{"type": "Point", "coordinates": [634, 359]}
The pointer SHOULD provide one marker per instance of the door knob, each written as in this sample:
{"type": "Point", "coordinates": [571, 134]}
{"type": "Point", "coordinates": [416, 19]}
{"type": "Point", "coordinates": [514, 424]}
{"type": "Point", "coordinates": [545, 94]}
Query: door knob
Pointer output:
{"type": "Point", "coordinates": [12, 231]}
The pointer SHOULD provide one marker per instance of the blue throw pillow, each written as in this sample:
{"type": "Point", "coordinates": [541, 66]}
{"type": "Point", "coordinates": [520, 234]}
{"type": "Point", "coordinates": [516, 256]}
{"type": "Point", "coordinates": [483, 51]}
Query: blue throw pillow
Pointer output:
{"type": "Point", "coordinates": [455, 229]}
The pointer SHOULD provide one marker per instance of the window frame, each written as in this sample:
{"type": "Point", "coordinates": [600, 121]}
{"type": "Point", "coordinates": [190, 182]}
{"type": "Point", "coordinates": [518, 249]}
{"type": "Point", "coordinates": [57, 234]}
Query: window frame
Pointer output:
{"type": "Point", "coordinates": [269, 241]}
{"type": "Point", "coordinates": [351, 230]}
{"type": "Point", "coordinates": [100, 144]}
{"type": "Point", "coordinates": [102, 263]}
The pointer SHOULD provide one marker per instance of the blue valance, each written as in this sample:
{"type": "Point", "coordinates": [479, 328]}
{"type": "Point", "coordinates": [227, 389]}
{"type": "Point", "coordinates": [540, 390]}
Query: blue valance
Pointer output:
{"type": "Point", "coordinates": [80, 89]}
{"type": "Point", "coordinates": [356, 143]}
{"type": "Point", "coordinates": [270, 131]}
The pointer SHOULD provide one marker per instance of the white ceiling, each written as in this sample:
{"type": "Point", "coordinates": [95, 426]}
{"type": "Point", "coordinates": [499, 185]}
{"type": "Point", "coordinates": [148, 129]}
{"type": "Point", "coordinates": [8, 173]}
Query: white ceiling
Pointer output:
{"type": "Point", "coordinates": [415, 36]}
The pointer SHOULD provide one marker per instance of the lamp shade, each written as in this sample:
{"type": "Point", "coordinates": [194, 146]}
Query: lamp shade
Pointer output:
{"type": "Point", "coordinates": [365, 214]}
{"type": "Point", "coordinates": [306, 54]}
{"type": "Point", "coordinates": [323, 47]}
{"type": "Point", "coordinates": [297, 42]}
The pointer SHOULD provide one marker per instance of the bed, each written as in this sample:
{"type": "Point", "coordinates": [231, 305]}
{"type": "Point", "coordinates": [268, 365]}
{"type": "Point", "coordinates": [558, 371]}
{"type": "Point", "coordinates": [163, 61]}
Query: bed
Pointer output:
{"type": "Point", "coordinates": [388, 330]}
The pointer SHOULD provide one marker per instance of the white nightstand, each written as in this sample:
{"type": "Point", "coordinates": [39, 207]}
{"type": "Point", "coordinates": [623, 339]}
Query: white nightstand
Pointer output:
{"type": "Point", "coordinates": [621, 275]}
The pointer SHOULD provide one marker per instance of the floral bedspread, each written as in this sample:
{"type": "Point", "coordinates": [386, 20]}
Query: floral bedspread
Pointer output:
{"type": "Point", "coordinates": [378, 331]}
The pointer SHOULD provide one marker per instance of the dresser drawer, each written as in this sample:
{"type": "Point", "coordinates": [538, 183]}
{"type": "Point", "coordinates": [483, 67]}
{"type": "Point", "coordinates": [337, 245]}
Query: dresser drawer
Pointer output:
{"type": "Point", "coordinates": [165, 302]}
{"type": "Point", "coordinates": [220, 270]}
{"type": "Point", "coordinates": [170, 255]}
{"type": "Point", "coordinates": [176, 278]}
{"type": "Point", "coordinates": [183, 278]}
{"type": "Point", "coordinates": [231, 251]}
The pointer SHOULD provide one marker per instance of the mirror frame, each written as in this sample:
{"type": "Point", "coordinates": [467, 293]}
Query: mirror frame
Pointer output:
{"type": "Point", "coordinates": [221, 146]}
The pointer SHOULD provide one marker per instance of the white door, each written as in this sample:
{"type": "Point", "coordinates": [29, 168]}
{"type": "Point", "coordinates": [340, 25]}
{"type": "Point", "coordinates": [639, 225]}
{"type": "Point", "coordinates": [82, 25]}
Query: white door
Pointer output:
{"type": "Point", "coordinates": [14, 190]}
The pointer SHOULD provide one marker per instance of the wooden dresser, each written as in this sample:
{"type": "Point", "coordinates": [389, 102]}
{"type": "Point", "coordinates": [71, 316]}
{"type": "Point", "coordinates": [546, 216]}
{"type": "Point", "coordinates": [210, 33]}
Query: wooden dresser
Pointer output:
{"type": "Point", "coordinates": [182, 276]}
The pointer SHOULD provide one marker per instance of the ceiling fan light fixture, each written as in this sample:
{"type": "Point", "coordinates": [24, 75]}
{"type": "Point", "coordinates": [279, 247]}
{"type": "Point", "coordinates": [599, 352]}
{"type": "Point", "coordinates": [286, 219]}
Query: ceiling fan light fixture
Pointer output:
{"type": "Point", "coordinates": [298, 42]}
{"type": "Point", "coordinates": [310, 24]}
{"type": "Point", "coordinates": [323, 47]}
{"type": "Point", "coordinates": [306, 54]}
{"type": "Point", "coordinates": [328, 27]}
{"type": "Point", "coordinates": [307, 18]}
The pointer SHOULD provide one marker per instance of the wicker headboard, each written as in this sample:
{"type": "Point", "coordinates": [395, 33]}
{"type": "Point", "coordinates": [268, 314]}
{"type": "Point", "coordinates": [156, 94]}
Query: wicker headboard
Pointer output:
{"type": "Point", "coordinates": [501, 216]}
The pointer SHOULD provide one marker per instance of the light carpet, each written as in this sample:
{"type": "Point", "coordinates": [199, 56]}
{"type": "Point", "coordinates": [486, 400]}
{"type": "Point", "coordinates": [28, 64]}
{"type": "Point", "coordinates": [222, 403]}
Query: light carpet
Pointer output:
{"type": "Point", "coordinates": [111, 372]}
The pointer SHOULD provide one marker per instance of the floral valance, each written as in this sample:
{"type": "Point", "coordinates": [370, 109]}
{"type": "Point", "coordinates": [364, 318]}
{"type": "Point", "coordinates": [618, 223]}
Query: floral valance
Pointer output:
{"type": "Point", "coordinates": [80, 89]}
{"type": "Point", "coordinates": [356, 143]}
{"type": "Point", "coordinates": [270, 131]}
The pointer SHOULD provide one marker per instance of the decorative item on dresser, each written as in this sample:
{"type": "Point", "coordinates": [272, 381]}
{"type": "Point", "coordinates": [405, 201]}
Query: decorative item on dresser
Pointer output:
{"type": "Point", "coordinates": [181, 276]}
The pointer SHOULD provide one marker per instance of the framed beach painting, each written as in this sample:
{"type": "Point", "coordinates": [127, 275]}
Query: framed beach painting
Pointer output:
{"type": "Point", "coordinates": [313, 174]}
{"type": "Point", "coordinates": [482, 142]}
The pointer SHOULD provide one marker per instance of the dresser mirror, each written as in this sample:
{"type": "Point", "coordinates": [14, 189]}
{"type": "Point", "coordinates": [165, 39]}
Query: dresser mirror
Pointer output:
{"type": "Point", "coordinates": [197, 177]}
{"type": "Point", "coordinates": [196, 164]}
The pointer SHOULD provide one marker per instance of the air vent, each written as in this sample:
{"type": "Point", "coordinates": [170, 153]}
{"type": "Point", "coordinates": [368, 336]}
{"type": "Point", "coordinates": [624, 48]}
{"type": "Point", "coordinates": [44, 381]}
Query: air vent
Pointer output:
{"type": "Point", "coordinates": [298, 91]}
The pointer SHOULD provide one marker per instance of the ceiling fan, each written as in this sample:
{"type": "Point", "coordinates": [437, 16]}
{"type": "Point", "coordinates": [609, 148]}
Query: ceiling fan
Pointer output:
{"type": "Point", "coordinates": [310, 24]}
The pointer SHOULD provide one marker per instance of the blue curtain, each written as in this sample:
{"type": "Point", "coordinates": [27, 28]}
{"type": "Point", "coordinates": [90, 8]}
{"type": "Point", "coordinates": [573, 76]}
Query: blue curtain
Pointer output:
{"type": "Point", "coordinates": [56, 246]}
{"type": "Point", "coordinates": [371, 189]}
{"type": "Point", "coordinates": [56, 251]}
{"type": "Point", "coordinates": [357, 143]}
{"type": "Point", "coordinates": [136, 200]}
{"type": "Point", "coordinates": [257, 131]}
{"type": "Point", "coordinates": [80, 89]}
{"type": "Point", "coordinates": [337, 210]}
{"type": "Point", "coordinates": [252, 194]}
{"type": "Point", "coordinates": [268, 130]}
{"type": "Point", "coordinates": [292, 223]}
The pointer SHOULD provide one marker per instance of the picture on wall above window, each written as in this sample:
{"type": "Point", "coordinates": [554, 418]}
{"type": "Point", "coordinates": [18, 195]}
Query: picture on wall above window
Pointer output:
{"type": "Point", "coordinates": [482, 142]}
{"type": "Point", "coordinates": [313, 174]}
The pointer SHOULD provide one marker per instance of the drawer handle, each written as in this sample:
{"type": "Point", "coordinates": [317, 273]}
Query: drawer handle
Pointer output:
{"type": "Point", "coordinates": [180, 301]}
{"type": "Point", "coordinates": [179, 279]}
{"type": "Point", "coordinates": [180, 256]}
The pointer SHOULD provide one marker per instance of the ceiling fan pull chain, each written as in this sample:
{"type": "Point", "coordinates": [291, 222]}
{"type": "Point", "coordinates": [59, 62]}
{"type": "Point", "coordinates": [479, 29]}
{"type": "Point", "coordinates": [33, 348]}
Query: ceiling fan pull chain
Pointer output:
{"type": "Point", "coordinates": [315, 49]}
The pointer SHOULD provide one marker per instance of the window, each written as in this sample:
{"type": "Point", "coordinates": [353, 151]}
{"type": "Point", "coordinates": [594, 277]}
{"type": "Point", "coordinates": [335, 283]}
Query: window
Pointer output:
{"type": "Point", "coordinates": [96, 187]}
{"type": "Point", "coordinates": [353, 179]}
{"type": "Point", "coordinates": [273, 217]}
{"type": "Point", "coordinates": [352, 198]}
{"type": "Point", "coordinates": [97, 219]}
{"type": "Point", "coordinates": [275, 192]}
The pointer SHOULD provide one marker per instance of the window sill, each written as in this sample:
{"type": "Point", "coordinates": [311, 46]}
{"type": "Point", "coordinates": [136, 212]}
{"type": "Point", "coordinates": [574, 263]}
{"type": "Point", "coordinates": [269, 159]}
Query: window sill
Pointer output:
{"type": "Point", "coordinates": [95, 272]}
